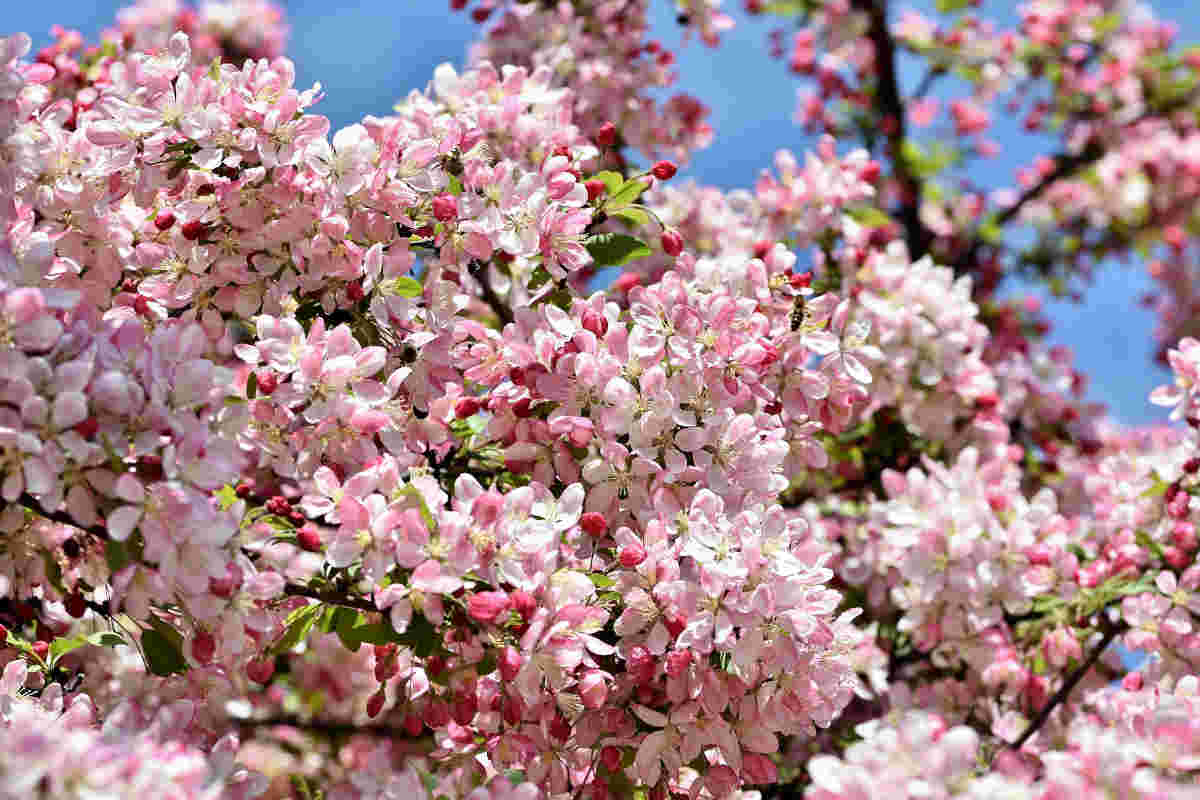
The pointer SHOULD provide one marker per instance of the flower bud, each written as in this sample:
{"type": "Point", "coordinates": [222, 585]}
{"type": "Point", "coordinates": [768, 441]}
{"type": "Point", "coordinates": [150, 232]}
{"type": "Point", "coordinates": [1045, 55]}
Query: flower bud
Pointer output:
{"type": "Point", "coordinates": [663, 170]}
{"type": "Point", "coordinates": [466, 406]}
{"type": "Point", "coordinates": [260, 670]}
{"type": "Point", "coordinates": [593, 689]}
{"type": "Point", "coordinates": [610, 757]}
{"type": "Point", "coordinates": [445, 207]}
{"type": "Point", "coordinates": [595, 322]}
{"type": "Point", "coordinates": [76, 604]}
{"type": "Point", "coordinates": [678, 661]}
{"type": "Point", "coordinates": [163, 220]}
{"type": "Point", "coordinates": [672, 243]}
{"type": "Point", "coordinates": [523, 603]}
{"type": "Point", "coordinates": [509, 663]}
{"type": "Point", "coordinates": [193, 230]}
{"type": "Point", "coordinates": [631, 555]}
{"type": "Point", "coordinates": [594, 524]}
{"type": "Point", "coordinates": [204, 647]}
{"type": "Point", "coordinates": [606, 136]}
{"type": "Point", "coordinates": [309, 538]}
{"type": "Point", "coordinates": [595, 189]}
{"type": "Point", "coordinates": [375, 704]}
{"type": "Point", "coordinates": [487, 606]}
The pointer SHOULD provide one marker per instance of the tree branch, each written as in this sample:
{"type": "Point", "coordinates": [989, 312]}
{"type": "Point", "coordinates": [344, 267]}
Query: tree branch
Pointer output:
{"type": "Point", "coordinates": [889, 106]}
{"type": "Point", "coordinates": [30, 503]}
{"type": "Point", "coordinates": [1110, 633]}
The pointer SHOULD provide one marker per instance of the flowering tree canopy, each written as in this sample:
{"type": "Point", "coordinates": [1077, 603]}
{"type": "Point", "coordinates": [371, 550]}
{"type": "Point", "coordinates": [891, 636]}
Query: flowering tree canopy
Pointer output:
{"type": "Point", "coordinates": [464, 452]}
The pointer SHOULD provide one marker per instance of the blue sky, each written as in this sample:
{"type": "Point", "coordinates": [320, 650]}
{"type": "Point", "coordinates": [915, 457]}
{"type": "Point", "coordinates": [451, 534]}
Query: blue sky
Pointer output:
{"type": "Point", "coordinates": [368, 53]}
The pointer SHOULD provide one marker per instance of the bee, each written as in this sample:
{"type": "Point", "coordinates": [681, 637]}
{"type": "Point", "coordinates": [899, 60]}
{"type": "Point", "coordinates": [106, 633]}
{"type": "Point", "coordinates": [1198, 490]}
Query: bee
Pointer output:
{"type": "Point", "coordinates": [798, 312]}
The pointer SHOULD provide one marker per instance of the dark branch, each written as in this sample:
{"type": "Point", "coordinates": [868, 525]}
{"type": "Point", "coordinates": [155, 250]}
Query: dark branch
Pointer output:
{"type": "Point", "coordinates": [1110, 633]}
{"type": "Point", "coordinates": [890, 108]}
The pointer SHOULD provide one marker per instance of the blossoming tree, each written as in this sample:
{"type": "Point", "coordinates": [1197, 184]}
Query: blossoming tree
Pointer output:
{"type": "Point", "coordinates": [340, 466]}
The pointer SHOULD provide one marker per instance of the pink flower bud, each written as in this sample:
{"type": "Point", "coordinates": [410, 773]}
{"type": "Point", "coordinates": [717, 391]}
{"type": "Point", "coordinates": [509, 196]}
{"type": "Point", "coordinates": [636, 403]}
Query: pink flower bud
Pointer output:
{"type": "Point", "coordinates": [632, 555]}
{"type": "Point", "coordinates": [757, 769]}
{"type": "Point", "coordinates": [678, 661]}
{"type": "Point", "coordinates": [509, 663]}
{"type": "Point", "coordinates": [1132, 682]}
{"type": "Point", "coordinates": [445, 207]}
{"type": "Point", "coordinates": [672, 243]}
{"type": "Point", "coordinates": [523, 603]}
{"type": "Point", "coordinates": [487, 606]}
{"type": "Point", "coordinates": [309, 538]}
{"type": "Point", "coordinates": [593, 689]}
{"type": "Point", "coordinates": [595, 322]}
{"type": "Point", "coordinates": [595, 189]}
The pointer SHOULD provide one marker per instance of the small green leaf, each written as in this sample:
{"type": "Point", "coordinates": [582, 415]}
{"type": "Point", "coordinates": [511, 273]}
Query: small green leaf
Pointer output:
{"type": "Point", "coordinates": [456, 187]}
{"type": "Point", "coordinates": [415, 498]}
{"type": "Point", "coordinates": [163, 656]}
{"type": "Point", "coordinates": [601, 580]}
{"type": "Point", "coordinates": [65, 644]}
{"type": "Point", "coordinates": [406, 286]}
{"type": "Point", "coordinates": [106, 639]}
{"type": "Point", "coordinates": [226, 497]}
{"type": "Point", "coordinates": [626, 194]}
{"type": "Point", "coordinates": [421, 637]}
{"type": "Point", "coordinates": [117, 555]}
{"type": "Point", "coordinates": [615, 249]}
{"type": "Point", "coordinates": [612, 181]}
{"type": "Point", "coordinates": [633, 216]}
{"type": "Point", "coordinates": [297, 626]}
{"type": "Point", "coordinates": [949, 6]}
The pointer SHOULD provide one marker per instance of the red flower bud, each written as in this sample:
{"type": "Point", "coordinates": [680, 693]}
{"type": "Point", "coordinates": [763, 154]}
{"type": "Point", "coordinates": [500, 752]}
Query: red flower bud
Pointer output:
{"type": "Point", "coordinates": [204, 647]}
{"type": "Point", "coordinates": [632, 555]}
{"type": "Point", "coordinates": [445, 207]}
{"type": "Point", "coordinates": [607, 135]}
{"type": "Point", "coordinates": [595, 188]}
{"type": "Point", "coordinates": [595, 322]}
{"type": "Point", "coordinates": [88, 428]}
{"type": "Point", "coordinates": [375, 704]}
{"type": "Point", "coordinates": [163, 220]}
{"type": "Point", "coordinates": [663, 170]}
{"type": "Point", "coordinates": [594, 524]}
{"type": "Point", "coordinates": [268, 381]}
{"type": "Point", "coordinates": [260, 670]}
{"type": "Point", "coordinates": [466, 406]}
{"type": "Point", "coordinates": [523, 603]}
{"type": "Point", "coordinates": [309, 538]}
{"type": "Point", "coordinates": [42, 649]}
{"type": "Point", "coordinates": [672, 243]}
{"type": "Point", "coordinates": [610, 757]}
{"type": "Point", "coordinates": [76, 605]}
{"type": "Point", "coordinates": [509, 663]}
{"type": "Point", "coordinates": [194, 230]}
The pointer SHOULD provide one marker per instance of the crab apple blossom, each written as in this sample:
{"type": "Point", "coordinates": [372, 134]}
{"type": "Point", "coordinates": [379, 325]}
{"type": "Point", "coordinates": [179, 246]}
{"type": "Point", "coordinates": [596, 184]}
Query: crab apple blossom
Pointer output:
{"type": "Point", "coordinates": [799, 503]}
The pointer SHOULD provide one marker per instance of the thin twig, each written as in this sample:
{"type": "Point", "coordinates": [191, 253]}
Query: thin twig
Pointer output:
{"type": "Point", "coordinates": [1070, 683]}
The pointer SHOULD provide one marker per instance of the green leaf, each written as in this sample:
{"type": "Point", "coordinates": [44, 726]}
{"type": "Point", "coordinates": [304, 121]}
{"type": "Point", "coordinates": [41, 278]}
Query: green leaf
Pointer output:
{"type": "Point", "coordinates": [949, 6]}
{"type": "Point", "coordinates": [456, 187]}
{"type": "Point", "coordinates": [869, 216]}
{"type": "Point", "coordinates": [297, 626]}
{"type": "Point", "coordinates": [406, 286]}
{"type": "Point", "coordinates": [626, 194]}
{"type": "Point", "coordinates": [65, 644]}
{"type": "Point", "coordinates": [226, 497]}
{"type": "Point", "coordinates": [601, 580]}
{"type": "Point", "coordinates": [117, 555]}
{"type": "Point", "coordinates": [421, 637]}
{"type": "Point", "coordinates": [615, 249]}
{"type": "Point", "coordinates": [163, 655]}
{"type": "Point", "coordinates": [106, 639]}
{"type": "Point", "coordinates": [612, 180]}
{"type": "Point", "coordinates": [633, 216]}
{"type": "Point", "coordinates": [415, 498]}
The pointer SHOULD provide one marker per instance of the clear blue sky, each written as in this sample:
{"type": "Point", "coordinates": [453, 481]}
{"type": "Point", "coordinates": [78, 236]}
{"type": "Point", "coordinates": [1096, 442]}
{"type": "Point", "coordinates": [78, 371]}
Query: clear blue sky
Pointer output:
{"type": "Point", "coordinates": [368, 53]}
